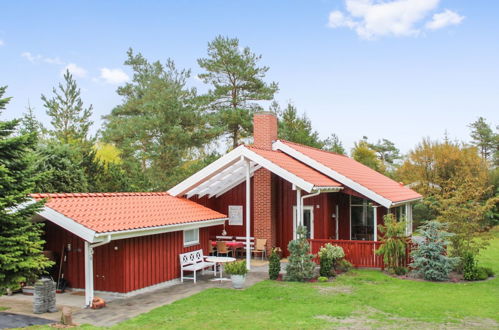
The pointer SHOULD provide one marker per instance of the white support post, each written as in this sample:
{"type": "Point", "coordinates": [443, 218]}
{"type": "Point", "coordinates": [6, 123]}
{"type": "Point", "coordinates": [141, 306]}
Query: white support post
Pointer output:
{"type": "Point", "coordinates": [89, 274]}
{"type": "Point", "coordinates": [375, 220]}
{"type": "Point", "coordinates": [299, 212]}
{"type": "Point", "coordinates": [337, 217]}
{"type": "Point", "coordinates": [248, 214]}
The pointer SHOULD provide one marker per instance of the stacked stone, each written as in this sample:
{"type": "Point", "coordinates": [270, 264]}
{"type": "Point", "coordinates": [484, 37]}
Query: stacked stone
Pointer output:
{"type": "Point", "coordinates": [44, 298]}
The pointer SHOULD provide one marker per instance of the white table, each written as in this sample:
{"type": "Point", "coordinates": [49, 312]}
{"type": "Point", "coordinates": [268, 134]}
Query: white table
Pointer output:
{"type": "Point", "coordinates": [220, 261]}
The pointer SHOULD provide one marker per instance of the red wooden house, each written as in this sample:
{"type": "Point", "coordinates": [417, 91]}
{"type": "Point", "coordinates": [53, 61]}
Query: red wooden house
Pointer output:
{"type": "Point", "coordinates": [338, 197]}
{"type": "Point", "coordinates": [123, 243]}
{"type": "Point", "coordinates": [130, 242]}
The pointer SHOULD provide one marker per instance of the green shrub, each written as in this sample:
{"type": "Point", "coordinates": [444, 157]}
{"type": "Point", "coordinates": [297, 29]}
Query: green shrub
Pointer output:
{"type": "Point", "coordinates": [344, 265]}
{"type": "Point", "coordinates": [300, 266]}
{"type": "Point", "coordinates": [469, 266]}
{"type": "Point", "coordinates": [322, 279]}
{"type": "Point", "coordinates": [236, 268]}
{"type": "Point", "coordinates": [393, 241]}
{"type": "Point", "coordinates": [490, 271]}
{"type": "Point", "coordinates": [400, 270]}
{"type": "Point", "coordinates": [274, 264]}
{"type": "Point", "coordinates": [481, 274]}
{"type": "Point", "coordinates": [429, 257]}
{"type": "Point", "coordinates": [329, 256]}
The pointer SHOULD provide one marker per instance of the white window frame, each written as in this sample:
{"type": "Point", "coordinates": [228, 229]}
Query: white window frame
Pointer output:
{"type": "Point", "coordinates": [191, 243]}
{"type": "Point", "coordinates": [311, 209]}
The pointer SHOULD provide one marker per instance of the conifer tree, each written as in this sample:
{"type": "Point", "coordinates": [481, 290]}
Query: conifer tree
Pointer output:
{"type": "Point", "coordinates": [300, 265]}
{"type": "Point", "coordinates": [21, 257]}
{"type": "Point", "coordinates": [69, 118]}
{"type": "Point", "coordinates": [237, 85]}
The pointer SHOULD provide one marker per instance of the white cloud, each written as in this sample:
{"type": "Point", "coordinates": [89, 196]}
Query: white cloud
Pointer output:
{"type": "Point", "coordinates": [40, 58]}
{"type": "Point", "coordinates": [75, 70]}
{"type": "Point", "coordinates": [113, 76]}
{"type": "Point", "coordinates": [374, 18]}
{"type": "Point", "coordinates": [443, 19]}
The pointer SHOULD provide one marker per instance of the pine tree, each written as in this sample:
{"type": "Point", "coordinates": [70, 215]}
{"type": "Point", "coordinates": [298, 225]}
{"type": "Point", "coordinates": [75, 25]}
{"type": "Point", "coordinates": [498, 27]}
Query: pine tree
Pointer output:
{"type": "Point", "coordinates": [300, 265]}
{"type": "Point", "coordinates": [334, 144]}
{"type": "Point", "coordinates": [483, 138]}
{"type": "Point", "coordinates": [69, 118]}
{"type": "Point", "coordinates": [237, 85]}
{"type": "Point", "coordinates": [21, 257]}
{"type": "Point", "coordinates": [296, 128]}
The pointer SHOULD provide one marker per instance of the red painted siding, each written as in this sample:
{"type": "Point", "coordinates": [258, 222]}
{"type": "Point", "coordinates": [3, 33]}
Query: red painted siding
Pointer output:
{"type": "Point", "coordinates": [123, 265]}
{"type": "Point", "coordinates": [150, 260]}
{"type": "Point", "coordinates": [235, 196]}
{"type": "Point", "coordinates": [73, 267]}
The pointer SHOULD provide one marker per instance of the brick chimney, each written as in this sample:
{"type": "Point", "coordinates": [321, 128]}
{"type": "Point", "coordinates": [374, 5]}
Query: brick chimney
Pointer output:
{"type": "Point", "coordinates": [264, 133]}
{"type": "Point", "coordinates": [264, 129]}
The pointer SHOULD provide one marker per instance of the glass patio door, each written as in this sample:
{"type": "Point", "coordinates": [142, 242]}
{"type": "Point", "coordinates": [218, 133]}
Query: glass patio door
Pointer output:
{"type": "Point", "coordinates": [308, 221]}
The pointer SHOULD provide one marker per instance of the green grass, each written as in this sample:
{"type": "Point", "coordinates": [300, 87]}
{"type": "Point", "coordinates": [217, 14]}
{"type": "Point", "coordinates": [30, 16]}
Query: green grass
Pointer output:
{"type": "Point", "coordinates": [358, 299]}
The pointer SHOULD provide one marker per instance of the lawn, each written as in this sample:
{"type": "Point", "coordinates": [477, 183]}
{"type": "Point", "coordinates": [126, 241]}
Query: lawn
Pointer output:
{"type": "Point", "coordinates": [361, 298]}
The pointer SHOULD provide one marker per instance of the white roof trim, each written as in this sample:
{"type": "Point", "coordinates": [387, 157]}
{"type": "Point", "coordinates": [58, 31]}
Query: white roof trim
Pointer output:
{"type": "Point", "coordinates": [208, 172]}
{"type": "Point", "coordinates": [91, 236]}
{"type": "Point", "coordinates": [278, 145]}
{"type": "Point", "coordinates": [67, 223]}
{"type": "Point", "coordinates": [160, 229]}
{"type": "Point", "coordinates": [190, 185]}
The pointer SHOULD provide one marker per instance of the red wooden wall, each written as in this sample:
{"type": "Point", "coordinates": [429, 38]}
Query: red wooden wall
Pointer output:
{"type": "Point", "coordinates": [74, 267]}
{"type": "Point", "coordinates": [123, 265]}
{"type": "Point", "coordinates": [235, 196]}
{"type": "Point", "coordinates": [154, 259]}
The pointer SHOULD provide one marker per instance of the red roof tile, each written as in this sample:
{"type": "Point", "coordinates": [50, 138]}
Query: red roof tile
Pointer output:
{"type": "Point", "coordinates": [361, 174]}
{"type": "Point", "coordinates": [296, 167]}
{"type": "Point", "coordinates": [107, 212]}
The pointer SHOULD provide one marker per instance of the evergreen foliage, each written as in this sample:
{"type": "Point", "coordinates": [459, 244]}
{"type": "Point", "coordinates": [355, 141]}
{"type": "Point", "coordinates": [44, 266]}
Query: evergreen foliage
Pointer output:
{"type": "Point", "coordinates": [300, 266]}
{"type": "Point", "coordinates": [333, 144]}
{"type": "Point", "coordinates": [393, 242]}
{"type": "Point", "coordinates": [21, 257]}
{"type": "Point", "coordinates": [69, 118]}
{"type": "Point", "coordinates": [430, 258]}
{"type": "Point", "coordinates": [60, 167]}
{"type": "Point", "coordinates": [237, 84]}
{"type": "Point", "coordinates": [274, 264]}
{"type": "Point", "coordinates": [296, 128]}
{"type": "Point", "coordinates": [484, 138]}
{"type": "Point", "coordinates": [161, 128]}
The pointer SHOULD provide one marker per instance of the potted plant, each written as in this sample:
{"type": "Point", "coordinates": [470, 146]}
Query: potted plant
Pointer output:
{"type": "Point", "coordinates": [237, 271]}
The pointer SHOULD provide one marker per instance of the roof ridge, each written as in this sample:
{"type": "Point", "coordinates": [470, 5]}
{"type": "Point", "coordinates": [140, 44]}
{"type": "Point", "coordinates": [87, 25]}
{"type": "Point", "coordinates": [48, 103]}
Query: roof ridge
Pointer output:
{"type": "Point", "coordinates": [98, 194]}
{"type": "Point", "coordinates": [251, 146]}
{"type": "Point", "coordinates": [314, 148]}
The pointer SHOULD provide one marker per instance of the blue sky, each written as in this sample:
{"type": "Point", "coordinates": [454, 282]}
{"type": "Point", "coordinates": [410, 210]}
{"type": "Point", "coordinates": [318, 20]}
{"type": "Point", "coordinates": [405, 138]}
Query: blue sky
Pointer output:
{"type": "Point", "coordinates": [400, 69]}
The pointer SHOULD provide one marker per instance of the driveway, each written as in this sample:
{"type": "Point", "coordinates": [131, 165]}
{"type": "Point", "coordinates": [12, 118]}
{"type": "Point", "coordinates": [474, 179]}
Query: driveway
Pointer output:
{"type": "Point", "coordinates": [10, 320]}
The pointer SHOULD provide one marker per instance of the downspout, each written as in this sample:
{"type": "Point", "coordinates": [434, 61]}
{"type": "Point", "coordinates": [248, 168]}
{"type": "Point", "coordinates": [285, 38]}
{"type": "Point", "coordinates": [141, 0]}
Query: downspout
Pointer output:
{"type": "Point", "coordinates": [301, 206]}
{"type": "Point", "coordinates": [89, 269]}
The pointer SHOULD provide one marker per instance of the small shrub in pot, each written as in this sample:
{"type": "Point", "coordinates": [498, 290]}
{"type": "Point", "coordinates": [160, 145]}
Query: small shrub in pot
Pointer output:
{"type": "Point", "coordinates": [237, 271]}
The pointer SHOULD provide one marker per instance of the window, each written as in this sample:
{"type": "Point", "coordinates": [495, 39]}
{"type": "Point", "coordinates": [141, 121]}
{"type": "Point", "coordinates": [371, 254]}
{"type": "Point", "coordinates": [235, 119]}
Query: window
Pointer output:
{"type": "Point", "coordinates": [362, 219]}
{"type": "Point", "coordinates": [400, 213]}
{"type": "Point", "coordinates": [191, 237]}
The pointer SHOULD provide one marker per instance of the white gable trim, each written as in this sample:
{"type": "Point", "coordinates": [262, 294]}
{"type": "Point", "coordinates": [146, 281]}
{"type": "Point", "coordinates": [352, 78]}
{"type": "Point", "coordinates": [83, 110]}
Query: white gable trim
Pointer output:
{"type": "Point", "coordinates": [190, 184]}
{"type": "Point", "coordinates": [278, 145]}
{"type": "Point", "coordinates": [67, 223]}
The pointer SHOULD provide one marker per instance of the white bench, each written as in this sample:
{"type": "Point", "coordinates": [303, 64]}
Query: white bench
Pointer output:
{"type": "Point", "coordinates": [192, 262]}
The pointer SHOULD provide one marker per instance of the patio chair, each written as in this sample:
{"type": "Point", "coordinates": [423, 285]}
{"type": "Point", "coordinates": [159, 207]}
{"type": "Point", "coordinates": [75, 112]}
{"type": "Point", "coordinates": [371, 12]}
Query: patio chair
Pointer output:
{"type": "Point", "coordinates": [222, 248]}
{"type": "Point", "coordinates": [211, 250]}
{"type": "Point", "coordinates": [261, 247]}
